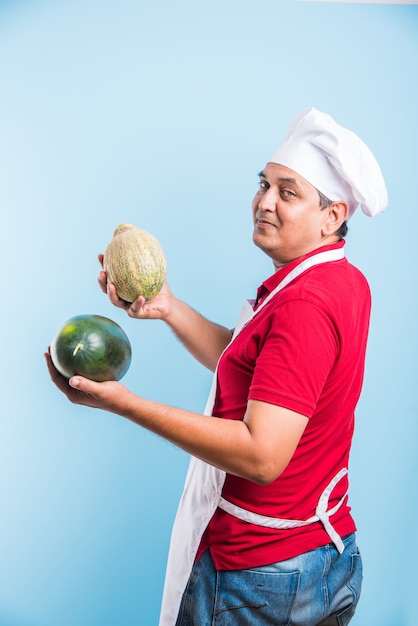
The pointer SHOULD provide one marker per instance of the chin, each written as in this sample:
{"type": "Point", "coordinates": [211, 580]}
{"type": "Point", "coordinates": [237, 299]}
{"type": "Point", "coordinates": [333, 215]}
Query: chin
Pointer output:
{"type": "Point", "coordinates": [262, 243]}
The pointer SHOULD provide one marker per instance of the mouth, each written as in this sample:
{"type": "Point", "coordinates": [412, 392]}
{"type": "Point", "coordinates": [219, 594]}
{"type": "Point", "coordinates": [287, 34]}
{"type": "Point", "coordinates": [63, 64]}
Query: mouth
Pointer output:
{"type": "Point", "coordinates": [263, 223]}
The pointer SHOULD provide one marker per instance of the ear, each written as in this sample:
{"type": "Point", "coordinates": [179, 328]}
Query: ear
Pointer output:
{"type": "Point", "coordinates": [336, 214]}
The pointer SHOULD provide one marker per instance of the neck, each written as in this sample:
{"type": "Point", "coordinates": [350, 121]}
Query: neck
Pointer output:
{"type": "Point", "coordinates": [279, 264]}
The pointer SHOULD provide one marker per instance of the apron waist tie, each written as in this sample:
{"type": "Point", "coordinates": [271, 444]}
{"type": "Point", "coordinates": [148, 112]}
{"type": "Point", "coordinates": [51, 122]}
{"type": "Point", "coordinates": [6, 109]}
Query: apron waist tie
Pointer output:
{"type": "Point", "coordinates": [322, 514]}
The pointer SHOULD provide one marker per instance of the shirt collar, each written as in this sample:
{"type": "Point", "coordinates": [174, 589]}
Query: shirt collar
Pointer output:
{"type": "Point", "coordinates": [275, 279]}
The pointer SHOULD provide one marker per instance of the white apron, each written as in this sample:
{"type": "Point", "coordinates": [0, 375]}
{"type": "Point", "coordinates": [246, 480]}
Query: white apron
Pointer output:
{"type": "Point", "coordinates": [203, 486]}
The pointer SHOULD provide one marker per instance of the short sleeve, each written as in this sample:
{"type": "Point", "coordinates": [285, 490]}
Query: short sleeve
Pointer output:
{"type": "Point", "coordinates": [295, 357]}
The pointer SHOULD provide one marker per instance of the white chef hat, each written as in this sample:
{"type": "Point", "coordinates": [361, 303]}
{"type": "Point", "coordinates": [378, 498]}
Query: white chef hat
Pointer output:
{"type": "Point", "coordinates": [334, 160]}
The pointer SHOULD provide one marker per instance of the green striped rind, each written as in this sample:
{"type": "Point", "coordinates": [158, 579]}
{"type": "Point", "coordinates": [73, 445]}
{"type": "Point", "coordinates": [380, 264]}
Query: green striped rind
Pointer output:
{"type": "Point", "coordinates": [135, 263]}
{"type": "Point", "coordinates": [92, 346]}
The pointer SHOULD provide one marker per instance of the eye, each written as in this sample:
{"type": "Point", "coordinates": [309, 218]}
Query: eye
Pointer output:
{"type": "Point", "coordinates": [288, 193]}
{"type": "Point", "coordinates": [263, 185]}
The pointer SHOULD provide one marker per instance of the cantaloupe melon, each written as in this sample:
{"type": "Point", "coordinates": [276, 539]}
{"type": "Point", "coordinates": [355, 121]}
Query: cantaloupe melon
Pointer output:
{"type": "Point", "coordinates": [135, 263]}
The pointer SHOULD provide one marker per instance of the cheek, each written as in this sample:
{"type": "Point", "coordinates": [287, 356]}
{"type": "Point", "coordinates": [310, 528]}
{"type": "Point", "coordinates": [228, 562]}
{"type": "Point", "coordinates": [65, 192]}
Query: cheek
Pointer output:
{"type": "Point", "coordinates": [254, 206]}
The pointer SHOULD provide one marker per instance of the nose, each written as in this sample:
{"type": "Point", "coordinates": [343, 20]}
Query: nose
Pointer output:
{"type": "Point", "coordinates": [267, 202]}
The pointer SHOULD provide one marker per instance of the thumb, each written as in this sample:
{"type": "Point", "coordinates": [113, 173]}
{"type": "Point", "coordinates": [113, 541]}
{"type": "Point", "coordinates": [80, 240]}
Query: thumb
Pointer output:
{"type": "Point", "coordinates": [82, 384]}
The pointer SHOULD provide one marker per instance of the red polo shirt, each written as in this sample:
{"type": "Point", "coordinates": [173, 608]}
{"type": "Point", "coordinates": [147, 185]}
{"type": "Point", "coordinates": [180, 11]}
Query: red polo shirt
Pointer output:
{"type": "Point", "coordinates": [305, 350]}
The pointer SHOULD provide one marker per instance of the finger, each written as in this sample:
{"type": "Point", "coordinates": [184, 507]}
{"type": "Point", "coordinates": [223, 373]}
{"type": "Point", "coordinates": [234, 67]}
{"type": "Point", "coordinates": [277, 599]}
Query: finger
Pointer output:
{"type": "Point", "coordinates": [53, 372]}
{"type": "Point", "coordinates": [59, 381]}
{"type": "Point", "coordinates": [85, 385]}
{"type": "Point", "coordinates": [114, 298]}
{"type": "Point", "coordinates": [136, 307]}
{"type": "Point", "coordinates": [102, 280]}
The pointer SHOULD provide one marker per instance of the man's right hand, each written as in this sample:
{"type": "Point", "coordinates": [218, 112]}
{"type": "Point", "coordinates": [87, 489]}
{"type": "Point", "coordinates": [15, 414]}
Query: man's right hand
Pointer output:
{"type": "Point", "coordinates": [204, 340]}
{"type": "Point", "coordinates": [157, 308]}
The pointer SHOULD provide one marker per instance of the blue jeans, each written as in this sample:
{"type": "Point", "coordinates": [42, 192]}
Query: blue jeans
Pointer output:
{"type": "Point", "coordinates": [318, 587]}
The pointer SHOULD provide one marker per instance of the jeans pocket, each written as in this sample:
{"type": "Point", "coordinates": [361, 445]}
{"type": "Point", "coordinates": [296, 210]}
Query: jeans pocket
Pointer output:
{"type": "Point", "coordinates": [354, 583]}
{"type": "Point", "coordinates": [253, 598]}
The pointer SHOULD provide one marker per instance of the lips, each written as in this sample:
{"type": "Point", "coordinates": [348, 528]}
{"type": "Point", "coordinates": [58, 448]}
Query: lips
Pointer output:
{"type": "Point", "coordinates": [260, 221]}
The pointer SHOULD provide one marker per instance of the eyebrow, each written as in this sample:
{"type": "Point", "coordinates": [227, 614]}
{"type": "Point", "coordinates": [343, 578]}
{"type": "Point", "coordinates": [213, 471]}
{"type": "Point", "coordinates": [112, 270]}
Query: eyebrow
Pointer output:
{"type": "Point", "coordinates": [292, 181]}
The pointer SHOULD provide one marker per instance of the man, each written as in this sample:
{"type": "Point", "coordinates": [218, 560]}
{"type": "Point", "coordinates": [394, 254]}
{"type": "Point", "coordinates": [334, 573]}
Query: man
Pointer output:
{"type": "Point", "coordinates": [264, 533]}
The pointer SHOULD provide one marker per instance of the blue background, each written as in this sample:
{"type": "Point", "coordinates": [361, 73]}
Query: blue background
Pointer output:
{"type": "Point", "coordinates": [161, 114]}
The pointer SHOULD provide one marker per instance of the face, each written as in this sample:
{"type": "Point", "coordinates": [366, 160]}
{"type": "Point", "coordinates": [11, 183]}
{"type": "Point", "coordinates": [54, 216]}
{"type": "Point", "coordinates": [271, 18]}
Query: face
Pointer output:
{"type": "Point", "coordinates": [288, 220]}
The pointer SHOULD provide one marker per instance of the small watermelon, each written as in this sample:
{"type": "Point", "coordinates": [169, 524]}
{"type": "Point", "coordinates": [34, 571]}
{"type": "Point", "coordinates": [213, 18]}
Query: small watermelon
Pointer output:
{"type": "Point", "coordinates": [92, 346]}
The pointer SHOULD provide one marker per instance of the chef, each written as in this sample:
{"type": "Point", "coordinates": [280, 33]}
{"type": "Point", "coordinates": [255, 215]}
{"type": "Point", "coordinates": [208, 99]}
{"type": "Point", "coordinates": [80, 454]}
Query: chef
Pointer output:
{"type": "Point", "coordinates": [264, 532]}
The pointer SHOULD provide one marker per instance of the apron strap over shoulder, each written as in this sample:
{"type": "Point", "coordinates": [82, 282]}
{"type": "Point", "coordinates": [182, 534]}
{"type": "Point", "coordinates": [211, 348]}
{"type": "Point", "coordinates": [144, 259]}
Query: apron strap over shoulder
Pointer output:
{"type": "Point", "coordinates": [204, 482]}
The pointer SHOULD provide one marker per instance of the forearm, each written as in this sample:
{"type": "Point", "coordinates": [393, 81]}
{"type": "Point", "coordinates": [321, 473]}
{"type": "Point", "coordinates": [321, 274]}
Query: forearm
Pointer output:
{"type": "Point", "coordinates": [226, 444]}
{"type": "Point", "coordinates": [257, 448]}
{"type": "Point", "coordinates": [204, 339]}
